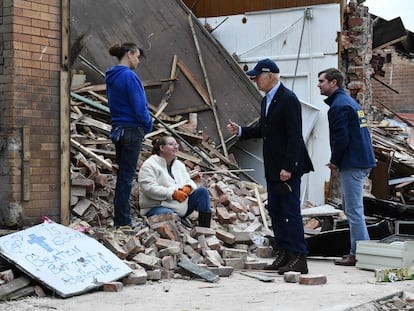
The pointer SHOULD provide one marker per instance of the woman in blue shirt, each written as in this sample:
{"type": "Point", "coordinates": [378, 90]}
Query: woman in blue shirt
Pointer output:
{"type": "Point", "coordinates": [130, 122]}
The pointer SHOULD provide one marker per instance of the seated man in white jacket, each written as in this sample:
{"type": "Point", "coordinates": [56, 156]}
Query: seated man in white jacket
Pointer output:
{"type": "Point", "coordinates": [165, 186]}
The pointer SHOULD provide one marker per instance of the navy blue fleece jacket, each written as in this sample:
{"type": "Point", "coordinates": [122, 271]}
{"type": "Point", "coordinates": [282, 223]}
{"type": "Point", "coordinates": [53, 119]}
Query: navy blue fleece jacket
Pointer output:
{"type": "Point", "coordinates": [350, 140]}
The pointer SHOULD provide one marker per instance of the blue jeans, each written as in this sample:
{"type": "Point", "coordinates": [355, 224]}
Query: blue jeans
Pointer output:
{"type": "Point", "coordinates": [199, 200]}
{"type": "Point", "coordinates": [127, 153]}
{"type": "Point", "coordinates": [285, 213]}
{"type": "Point", "coordinates": [352, 182]}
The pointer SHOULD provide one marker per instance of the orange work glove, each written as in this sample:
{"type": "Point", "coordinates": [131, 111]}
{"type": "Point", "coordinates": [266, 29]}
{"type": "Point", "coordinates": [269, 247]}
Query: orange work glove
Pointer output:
{"type": "Point", "coordinates": [179, 195]}
{"type": "Point", "coordinates": [187, 189]}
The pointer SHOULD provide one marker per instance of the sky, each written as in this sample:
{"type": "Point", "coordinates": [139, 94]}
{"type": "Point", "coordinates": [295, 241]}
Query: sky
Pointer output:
{"type": "Point", "coordinates": [389, 9]}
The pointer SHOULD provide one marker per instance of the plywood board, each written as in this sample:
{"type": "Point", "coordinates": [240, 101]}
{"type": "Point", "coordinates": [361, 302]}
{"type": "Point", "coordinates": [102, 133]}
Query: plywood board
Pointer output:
{"type": "Point", "coordinates": [64, 260]}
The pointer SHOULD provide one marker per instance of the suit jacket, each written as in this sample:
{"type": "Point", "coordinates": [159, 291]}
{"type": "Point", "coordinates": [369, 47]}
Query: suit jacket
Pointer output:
{"type": "Point", "coordinates": [281, 131]}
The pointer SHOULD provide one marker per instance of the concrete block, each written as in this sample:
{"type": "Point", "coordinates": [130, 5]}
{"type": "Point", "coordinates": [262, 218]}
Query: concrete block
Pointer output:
{"type": "Point", "coordinates": [236, 263]}
{"type": "Point", "coordinates": [291, 277]}
{"type": "Point", "coordinates": [154, 275]}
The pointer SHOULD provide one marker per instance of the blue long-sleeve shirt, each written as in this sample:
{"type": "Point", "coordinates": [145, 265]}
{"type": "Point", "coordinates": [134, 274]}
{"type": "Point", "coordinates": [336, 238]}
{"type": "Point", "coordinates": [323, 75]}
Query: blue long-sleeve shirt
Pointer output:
{"type": "Point", "coordinates": [350, 140]}
{"type": "Point", "coordinates": [127, 99]}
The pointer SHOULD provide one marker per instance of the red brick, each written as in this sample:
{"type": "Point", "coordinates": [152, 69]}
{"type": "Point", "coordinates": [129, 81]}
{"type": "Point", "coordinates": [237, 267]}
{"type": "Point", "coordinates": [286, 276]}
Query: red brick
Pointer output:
{"type": "Point", "coordinates": [113, 287]}
{"type": "Point", "coordinates": [40, 7]}
{"type": "Point", "coordinates": [40, 24]}
{"type": "Point", "coordinates": [31, 14]}
{"type": "Point", "coordinates": [19, 20]}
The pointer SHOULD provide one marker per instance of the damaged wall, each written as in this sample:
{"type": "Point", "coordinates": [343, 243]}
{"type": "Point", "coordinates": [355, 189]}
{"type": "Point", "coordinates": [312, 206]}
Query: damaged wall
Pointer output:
{"type": "Point", "coordinates": [356, 53]}
{"type": "Point", "coordinates": [29, 118]}
{"type": "Point", "coordinates": [355, 50]}
{"type": "Point", "coordinates": [397, 72]}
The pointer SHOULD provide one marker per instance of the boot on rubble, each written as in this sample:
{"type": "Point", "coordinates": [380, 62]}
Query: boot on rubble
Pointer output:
{"type": "Point", "coordinates": [204, 219]}
{"type": "Point", "coordinates": [282, 258]}
{"type": "Point", "coordinates": [296, 263]}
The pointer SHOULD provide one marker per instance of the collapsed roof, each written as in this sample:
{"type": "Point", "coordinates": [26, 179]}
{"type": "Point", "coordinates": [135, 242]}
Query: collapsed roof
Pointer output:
{"type": "Point", "coordinates": [392, 32]}
{"type": "Point", "coordinates": [162, 28]}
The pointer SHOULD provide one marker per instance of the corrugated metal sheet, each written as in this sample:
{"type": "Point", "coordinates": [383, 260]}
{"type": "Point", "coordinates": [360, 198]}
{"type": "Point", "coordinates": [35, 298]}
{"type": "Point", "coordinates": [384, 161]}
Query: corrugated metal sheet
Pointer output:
{"type": "Point", "coordinates": [211, 8]}
{"type": "Point", "coordinates": [162, 28]}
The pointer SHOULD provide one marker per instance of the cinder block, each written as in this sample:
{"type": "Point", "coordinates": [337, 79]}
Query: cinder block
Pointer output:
{"type": "Point", "coordinates": [236, 263]}
{"type": "Point", "coordinates": [291, 277]}
{"type": "Point", "coordinates": [154, 275]}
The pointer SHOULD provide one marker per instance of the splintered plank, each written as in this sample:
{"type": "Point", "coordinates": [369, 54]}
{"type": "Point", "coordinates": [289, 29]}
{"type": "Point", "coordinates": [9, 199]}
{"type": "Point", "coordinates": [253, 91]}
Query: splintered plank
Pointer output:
{"type": "Point", "coordinates": [91, 154]}
{"type": "Point", "coordinates": [197, 86]}
{"type": "Point", "coordinates": [162, 130]}
{"type": "Point", "coordinates": [106, 128]}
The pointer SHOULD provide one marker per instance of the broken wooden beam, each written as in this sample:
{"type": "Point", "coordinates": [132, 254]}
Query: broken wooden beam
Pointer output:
{"type": "Point", "coordinates": [91, 154]}
{"type": "Point", "coordinates": [212, 100]}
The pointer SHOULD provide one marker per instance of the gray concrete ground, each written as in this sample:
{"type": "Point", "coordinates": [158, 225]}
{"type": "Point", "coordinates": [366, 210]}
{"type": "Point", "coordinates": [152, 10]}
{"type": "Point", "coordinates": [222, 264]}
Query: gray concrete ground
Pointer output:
{"type": "Point", "coordinates": [346, 287]}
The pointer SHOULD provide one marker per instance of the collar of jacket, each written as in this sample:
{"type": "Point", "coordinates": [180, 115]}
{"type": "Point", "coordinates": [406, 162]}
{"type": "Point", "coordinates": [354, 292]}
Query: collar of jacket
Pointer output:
{"type": "Point", "coordinates": [161, 160]}
{"type": "Point", "coordinates": [329, 100]}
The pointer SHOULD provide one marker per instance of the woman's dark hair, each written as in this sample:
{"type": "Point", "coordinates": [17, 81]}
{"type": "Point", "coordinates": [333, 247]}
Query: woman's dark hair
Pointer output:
{"type": "Point", "coordinates": [333, 74]}
{"type": "Point", "coordinates": [156, 143]}
{"type": "Point", "coordinates": [119, 50]}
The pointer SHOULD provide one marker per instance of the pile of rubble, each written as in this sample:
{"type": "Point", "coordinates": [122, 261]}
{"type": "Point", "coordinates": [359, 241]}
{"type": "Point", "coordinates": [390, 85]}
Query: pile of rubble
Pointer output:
{"type": "Point", "coordinates": [394, 150]}
{"type": "Point", "coordinates": [160, 246]}
{"type": "Point", "coordinates": [238, 207]}
{"type": "Point", "coordinates": [398, 301]}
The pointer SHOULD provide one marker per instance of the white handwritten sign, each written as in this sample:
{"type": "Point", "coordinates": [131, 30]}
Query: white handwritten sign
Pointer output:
{"type": "Point", "coordinates": [63, 259]}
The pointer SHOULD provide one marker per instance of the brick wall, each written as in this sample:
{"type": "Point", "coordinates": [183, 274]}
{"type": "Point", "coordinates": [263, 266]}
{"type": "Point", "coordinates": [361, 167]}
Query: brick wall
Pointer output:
{"type": "Point", "coordinates": [398, 73]}
{"type": "Point", "coordinates": [29, 111]}
{"type": "Point", "coordinates": [356, 53]}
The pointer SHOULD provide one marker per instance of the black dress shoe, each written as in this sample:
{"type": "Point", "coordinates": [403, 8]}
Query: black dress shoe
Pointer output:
{"type": "Point", "coordinates": [282, 257]}
{"type": "Point", "coordinates": [297, 263]}
{"type": "Point", "coordinates": [347, 260]}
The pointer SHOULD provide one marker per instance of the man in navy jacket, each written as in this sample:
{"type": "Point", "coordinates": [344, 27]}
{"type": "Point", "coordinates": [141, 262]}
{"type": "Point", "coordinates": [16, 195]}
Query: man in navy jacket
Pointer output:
{"type": "Point", "coordinates": [285, 161]}
{"type": "Point", "coordinates": [351, 154]}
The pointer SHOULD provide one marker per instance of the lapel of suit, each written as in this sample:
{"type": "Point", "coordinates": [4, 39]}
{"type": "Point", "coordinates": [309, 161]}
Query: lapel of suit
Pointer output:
{"type": "Point", "coordinates": [263, 108]}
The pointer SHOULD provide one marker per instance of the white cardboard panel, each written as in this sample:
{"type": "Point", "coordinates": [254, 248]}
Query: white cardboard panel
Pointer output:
{"type": "Point", "coordinates": [65, 260]}
{"type": "Point", "coordinates": [373, 255]}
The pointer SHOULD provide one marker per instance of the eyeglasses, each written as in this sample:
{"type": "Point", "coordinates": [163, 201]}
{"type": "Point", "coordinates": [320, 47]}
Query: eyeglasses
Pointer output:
{"type": "Point", "coordinates": [173, 144]}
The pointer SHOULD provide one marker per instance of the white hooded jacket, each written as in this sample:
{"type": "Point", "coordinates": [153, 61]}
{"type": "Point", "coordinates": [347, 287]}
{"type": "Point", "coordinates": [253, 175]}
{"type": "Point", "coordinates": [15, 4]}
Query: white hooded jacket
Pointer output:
{"type": "Point", "coordinates": [156, 186]}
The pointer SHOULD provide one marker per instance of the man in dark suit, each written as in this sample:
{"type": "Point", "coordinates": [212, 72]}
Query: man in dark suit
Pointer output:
{"type": "Point", "coordinates": [285, 161]}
